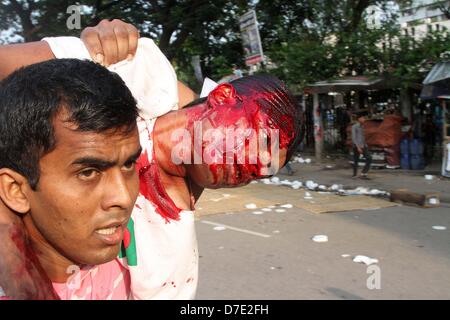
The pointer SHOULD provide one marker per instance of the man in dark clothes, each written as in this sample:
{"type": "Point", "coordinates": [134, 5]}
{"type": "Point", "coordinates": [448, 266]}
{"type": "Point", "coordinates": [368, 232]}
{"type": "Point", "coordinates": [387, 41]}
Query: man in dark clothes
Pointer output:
{"type": "Point", "coordinates": [360, 147]}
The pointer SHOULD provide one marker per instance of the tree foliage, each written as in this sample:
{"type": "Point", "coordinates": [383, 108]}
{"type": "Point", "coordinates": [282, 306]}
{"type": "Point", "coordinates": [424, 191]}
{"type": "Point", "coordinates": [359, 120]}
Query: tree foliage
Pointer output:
{"type": "Point", "coordinates": [306, 41]}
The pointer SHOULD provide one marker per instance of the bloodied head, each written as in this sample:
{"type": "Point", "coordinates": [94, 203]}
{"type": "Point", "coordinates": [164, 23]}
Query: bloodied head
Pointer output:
{"type": "Point", "coordinates": [244, 130]}
{"type": "Point", "coordinates": [68, 146]}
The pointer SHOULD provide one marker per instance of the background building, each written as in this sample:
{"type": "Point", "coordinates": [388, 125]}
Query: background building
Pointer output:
{"type": "Point", "coordinates": [422, 16]}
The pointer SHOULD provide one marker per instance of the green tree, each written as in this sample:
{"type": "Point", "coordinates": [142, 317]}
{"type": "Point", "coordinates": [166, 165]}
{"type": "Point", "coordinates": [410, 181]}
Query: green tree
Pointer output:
{"type": "Point", "coordinates": [182, 28]}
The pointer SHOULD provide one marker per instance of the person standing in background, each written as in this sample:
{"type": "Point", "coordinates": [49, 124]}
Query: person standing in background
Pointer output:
{"type": "Point", "coordinates": [360, 147]}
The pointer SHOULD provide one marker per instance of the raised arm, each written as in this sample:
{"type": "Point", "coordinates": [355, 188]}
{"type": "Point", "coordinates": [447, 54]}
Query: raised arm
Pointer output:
{"type": "Point", "coordinates": [15, 56]}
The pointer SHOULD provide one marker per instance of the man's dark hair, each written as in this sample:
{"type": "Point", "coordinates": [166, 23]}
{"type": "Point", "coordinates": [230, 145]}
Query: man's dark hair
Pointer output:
{"type": "Point", "coordinates": [30, 98]}
{"type": "Point", "coordinates": [278, 102]}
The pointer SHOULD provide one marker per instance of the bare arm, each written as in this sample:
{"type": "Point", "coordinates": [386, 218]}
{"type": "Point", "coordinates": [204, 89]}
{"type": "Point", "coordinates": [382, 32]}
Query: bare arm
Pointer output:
{"type": "Point", "coordinates": [185, 95]}
{"type": "Point", "coordinates": [15, 56]}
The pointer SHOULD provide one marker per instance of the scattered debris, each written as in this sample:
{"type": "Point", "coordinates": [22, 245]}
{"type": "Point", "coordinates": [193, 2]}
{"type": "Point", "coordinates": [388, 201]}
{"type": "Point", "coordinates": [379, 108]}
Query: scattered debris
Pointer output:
{"type": "Point", "coordinates": [439, 228]}
{"type": "Point", "coordinates": [280, 210]}
{"type": "Point", "coordinates": [266, 209]}
{"type": "Point", "coordinates": [307, 196]}
{"type": "Point", "coordinates": [287, 205]}
{"type": "Point", "coordinates": [336, 187]}
{"type": "Point", "coordinates": [251, 206]}
{"type": "Point", "coordinates": [433, 201]}
{"type": "Point", "coordinates": [275, 180]}
{"type": "Point", "coordinates": [311, 185]}
{"type": "Point", "coordinates": [429, 177]}
{"type": "Point", "coordinates": [258, 212]}
{"type": "Point", "coordinates": [320, 238]}
{"type": "Point", "coordinates": [300, 160]}
{"type": "Point", "coordinates": [362, 191]}
{"type": "Point", "coordinates": [345, 255]}
{"type": "Point", "coordinates": [366, 260]}
{"type": "Point", "coordinates": [296, 186]}
{"type": "Point", "coordinates": [286, 182]}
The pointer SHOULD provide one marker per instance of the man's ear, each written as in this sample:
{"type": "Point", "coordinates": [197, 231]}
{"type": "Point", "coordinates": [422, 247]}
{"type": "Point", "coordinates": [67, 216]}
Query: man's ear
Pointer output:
{"type": "Point", "coordinates": [12, 190]}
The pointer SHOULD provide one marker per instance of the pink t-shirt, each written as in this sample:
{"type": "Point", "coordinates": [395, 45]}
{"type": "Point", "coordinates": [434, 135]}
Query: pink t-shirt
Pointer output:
{"type": "Point", "coordinates": [109, 281]}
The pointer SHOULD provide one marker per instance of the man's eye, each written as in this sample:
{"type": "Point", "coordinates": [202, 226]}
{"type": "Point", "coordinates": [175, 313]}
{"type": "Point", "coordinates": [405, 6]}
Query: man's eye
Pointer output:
{"type": "Point", "coordinates": [88, 174]}
{"type": "Point", "coordinates": [130, 165]}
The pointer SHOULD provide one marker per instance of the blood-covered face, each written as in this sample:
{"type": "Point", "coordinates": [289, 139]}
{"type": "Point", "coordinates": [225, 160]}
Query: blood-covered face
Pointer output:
{"type": "Point", "coordinates": [87, 189]}
{"type": "Point", "coordinates": [236, 138]}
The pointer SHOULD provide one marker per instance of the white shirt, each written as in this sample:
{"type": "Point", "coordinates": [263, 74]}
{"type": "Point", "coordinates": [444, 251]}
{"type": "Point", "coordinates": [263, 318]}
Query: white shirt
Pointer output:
{"type": "Point", "coordinates": [149, 76]}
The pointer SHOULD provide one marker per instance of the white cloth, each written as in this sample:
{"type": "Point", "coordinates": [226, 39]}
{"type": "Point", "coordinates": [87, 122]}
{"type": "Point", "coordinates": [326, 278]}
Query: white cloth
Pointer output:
{"type": "Point", "coordinates": [149, 76]}
{"type": "Point", "coordinates": [167, 251]}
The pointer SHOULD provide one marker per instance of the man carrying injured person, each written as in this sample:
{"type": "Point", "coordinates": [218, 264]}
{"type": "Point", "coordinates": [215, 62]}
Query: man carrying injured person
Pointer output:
{"type": "Point", "coordinates": [242, 131]}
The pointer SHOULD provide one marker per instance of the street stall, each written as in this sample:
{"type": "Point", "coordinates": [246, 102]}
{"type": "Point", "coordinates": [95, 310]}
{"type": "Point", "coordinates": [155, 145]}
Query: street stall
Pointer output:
{"type": "Point", "coordinates": [335, 101]}
{"type": "Point", "coordinates": [445, 103]}
{"type": "Point", "coordinates": [437, 86]}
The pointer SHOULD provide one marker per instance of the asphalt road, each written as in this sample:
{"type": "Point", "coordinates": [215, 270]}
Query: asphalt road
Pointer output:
{"type": "Point", "coordinates": [272, 256]}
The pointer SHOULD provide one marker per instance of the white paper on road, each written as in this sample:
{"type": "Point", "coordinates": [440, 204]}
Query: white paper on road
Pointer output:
{"type": "Point", "coordinates": [280, 210]}
{"type": "Point", "coordinates": [257, 212]}
{"type": "Point", "coordinates": [364, 259]}
{"type": "Point", "coordinates": [275, 180]}
{"type": "Point", "coordinates": [251, 206]}
{"type": "Point", "coordinates": [439, 228]}
{"type": "Point", "coordinates": [433, 201]}
{"type": "Point", "coordinates": [320, 238]}
{"type": "Point", "coordinates": [287, 205]}
{"type": "Point", "coordinates": [220, 227]}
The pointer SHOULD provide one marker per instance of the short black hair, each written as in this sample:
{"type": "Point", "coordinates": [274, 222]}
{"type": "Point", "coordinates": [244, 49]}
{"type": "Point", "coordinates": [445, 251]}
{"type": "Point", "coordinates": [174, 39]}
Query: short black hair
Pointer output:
{"type": "Point", "coordinates": [95, 99]}
{"type": "Point", "coordinates": [278, 102]}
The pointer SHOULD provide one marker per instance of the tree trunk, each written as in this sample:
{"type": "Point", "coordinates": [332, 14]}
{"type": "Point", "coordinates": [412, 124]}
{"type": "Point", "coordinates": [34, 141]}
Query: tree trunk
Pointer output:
{"type": "Point", "coordinates": [318, 128]}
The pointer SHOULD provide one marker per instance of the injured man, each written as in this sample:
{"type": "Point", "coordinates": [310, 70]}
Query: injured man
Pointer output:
{"type": "Point", "coordinates": [99, 174]}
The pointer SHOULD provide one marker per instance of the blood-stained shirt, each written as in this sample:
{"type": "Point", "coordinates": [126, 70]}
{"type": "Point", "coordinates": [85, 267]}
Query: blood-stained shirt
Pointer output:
{"type": "Point", "coordinates": [159, 254]}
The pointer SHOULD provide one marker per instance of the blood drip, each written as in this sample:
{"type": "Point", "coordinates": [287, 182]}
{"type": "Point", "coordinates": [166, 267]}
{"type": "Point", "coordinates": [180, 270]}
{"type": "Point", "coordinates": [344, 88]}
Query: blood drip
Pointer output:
{"type": "Point", "coordinates": [29, 268]}
{"type": "Point", "coordinates": [151, 187]}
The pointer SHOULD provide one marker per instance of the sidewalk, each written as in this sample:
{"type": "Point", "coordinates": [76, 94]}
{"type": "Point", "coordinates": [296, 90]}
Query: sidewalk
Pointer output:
{"type": "Point", "coordinates": [337, 170]}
